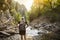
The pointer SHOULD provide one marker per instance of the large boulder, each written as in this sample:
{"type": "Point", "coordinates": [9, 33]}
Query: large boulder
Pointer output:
{"type": "Point", "coordinates": [8, 28]}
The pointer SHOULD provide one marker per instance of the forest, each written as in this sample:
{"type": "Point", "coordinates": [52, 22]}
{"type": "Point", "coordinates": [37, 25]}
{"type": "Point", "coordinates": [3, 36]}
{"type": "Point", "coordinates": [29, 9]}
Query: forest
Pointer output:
{"type": "Point", "coordinates": [43, 14]}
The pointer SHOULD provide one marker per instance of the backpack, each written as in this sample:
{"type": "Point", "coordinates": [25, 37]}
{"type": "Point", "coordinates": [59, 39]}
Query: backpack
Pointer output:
{"type": "Point", "coordinates": [22, 26]}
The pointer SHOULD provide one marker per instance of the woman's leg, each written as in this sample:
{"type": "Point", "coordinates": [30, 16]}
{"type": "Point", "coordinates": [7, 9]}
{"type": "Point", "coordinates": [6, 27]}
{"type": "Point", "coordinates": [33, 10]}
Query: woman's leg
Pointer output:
{"type": "Point", "coordinates": [21, 37]}
{"type": "Point", "coordinates": [24, 37]}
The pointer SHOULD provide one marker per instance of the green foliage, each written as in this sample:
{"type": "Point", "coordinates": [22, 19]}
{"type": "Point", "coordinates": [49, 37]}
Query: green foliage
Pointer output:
{"type": "Point", "coordinates": [49, 9]}
{"type": "Point", "coordinates": [34, 13]}
{"type": "Point", "coordinates": [27, 16]}
{"type": "Point", "coordinates": [2, 1]}
{"type": "Point", "coordinates": [58, 2]}
{"type": "Point", "coordinates": [16, 15]}
{"type": "Point", "coordinates": [14, 9]}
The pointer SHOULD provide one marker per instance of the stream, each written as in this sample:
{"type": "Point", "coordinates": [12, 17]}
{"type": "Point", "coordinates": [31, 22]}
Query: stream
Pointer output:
{"type": "Point", "coordinates": [32, 33]}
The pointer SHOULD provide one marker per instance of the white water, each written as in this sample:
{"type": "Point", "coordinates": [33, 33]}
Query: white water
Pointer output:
{"type": "Point", "coordinates": [31, 32]}
{"type": "Point", "coordinates": [34, 32]}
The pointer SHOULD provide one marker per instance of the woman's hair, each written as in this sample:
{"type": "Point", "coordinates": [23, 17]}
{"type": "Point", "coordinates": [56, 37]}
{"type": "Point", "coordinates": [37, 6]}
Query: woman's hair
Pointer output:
{"type": "Point", "coordinates": [19, 22]}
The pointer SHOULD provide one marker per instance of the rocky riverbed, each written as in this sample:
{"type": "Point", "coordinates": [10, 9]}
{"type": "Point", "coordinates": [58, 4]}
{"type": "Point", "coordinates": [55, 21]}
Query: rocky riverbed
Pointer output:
{"type": "Point", "coordinates": [36, 32]}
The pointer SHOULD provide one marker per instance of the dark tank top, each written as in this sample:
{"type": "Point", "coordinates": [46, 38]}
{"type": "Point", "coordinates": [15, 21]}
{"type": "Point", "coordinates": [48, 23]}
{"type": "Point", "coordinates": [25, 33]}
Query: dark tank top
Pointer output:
{"type": "Point", "coordinates": [22, 26]}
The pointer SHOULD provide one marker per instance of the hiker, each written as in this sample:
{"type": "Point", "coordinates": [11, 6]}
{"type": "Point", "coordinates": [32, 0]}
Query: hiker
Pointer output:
{"type": "Point", "coordinates": [22, 29]}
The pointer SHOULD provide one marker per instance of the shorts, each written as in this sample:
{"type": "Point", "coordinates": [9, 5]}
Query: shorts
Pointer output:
{"type": "Point", "coordinates": [22, 32]}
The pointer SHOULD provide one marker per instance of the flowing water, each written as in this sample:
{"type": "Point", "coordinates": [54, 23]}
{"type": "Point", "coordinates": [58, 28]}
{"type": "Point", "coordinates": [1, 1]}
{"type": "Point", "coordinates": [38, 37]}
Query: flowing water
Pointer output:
{"type": "Point", "coordinates": [31, 32]}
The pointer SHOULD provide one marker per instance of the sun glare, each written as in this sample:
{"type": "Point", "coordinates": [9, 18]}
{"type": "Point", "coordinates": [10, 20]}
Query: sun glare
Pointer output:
{"type": "Point", "coordinates": [27, 3]}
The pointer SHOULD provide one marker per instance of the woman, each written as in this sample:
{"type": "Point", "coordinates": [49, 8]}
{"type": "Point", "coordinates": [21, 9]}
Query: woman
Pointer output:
{"type": "Point", "coordinates": [22, 29]}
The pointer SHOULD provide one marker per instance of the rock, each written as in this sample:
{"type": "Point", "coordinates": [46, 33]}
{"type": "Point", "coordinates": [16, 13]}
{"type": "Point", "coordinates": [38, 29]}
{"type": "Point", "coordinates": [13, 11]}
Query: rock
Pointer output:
{"type": "Point", "coordinates": [29, 38]}
{"type": "Point", "coordinates": [13, 37]}
{"type": "Point", "coordinates": [7, 26]}
{"type": "Point", "coordinates": [5, 33]}
{"type": "Point", "coordinates": [33, 37]}
{"type": "Point", "coordinates": [36, 37]}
